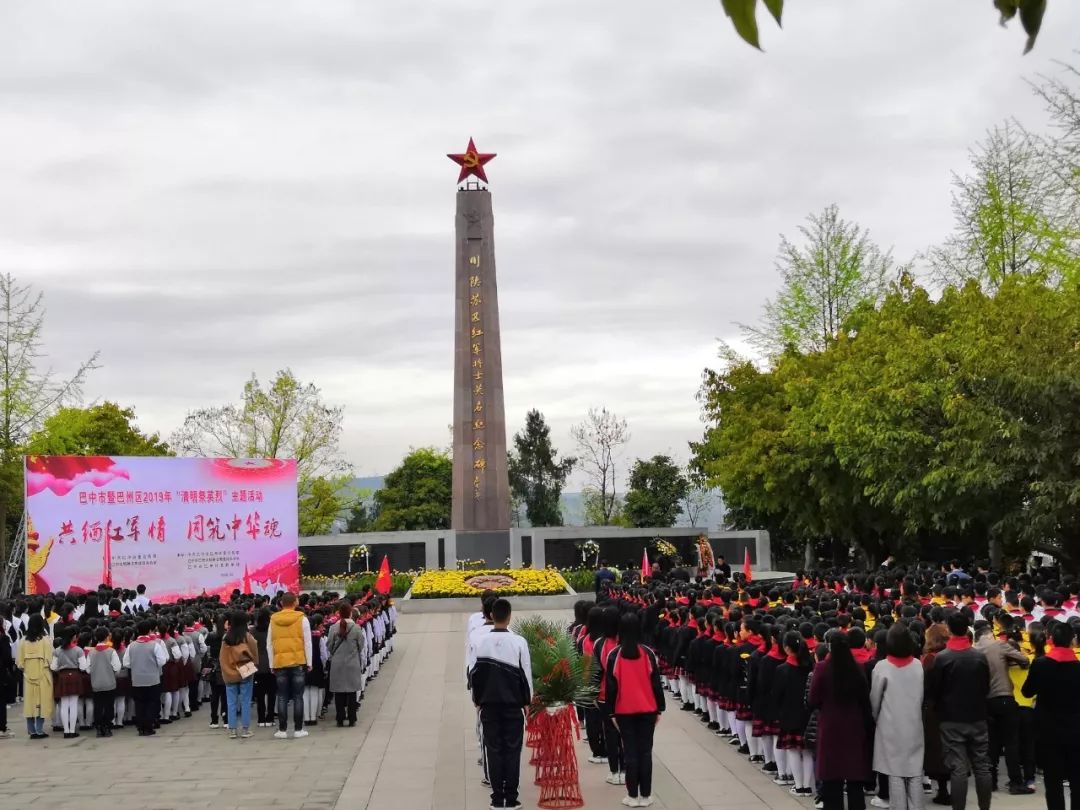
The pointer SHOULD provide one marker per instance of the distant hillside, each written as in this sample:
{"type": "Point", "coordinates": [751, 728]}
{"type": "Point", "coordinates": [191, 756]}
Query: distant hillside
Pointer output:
{"type": "Point", "coordinates": [573, 507]}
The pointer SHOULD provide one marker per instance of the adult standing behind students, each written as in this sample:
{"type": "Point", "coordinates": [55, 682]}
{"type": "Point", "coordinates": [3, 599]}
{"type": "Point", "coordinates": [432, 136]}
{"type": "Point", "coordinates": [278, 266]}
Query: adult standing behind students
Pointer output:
{"type": "Point", "coordinates": [1003, 713]}
{"type": "Point", "coordinates": [1054, 682]}
{"type": "Point", "coordinates": [346, 646]}
{"type": "Point", "coordinates": [957, 686]}
{"type": "Point", "coordinates": [635, 699]}
{"type": "Point", "coordinates": [289, 644]}
{"type": "Point", "coordinates": [838, 689]}
{"type": "Point", "coordinates": [33, 659]}
{"type": "Point", "coordinates": [502, 689]}
{"type": "Point", "coordinates": [896, 697]}
{"type": "Point", "coordinates": [239, 658]}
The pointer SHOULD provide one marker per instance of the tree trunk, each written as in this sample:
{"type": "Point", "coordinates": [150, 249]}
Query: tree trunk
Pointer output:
{"type": "Point", "coordinates": [808, 555]}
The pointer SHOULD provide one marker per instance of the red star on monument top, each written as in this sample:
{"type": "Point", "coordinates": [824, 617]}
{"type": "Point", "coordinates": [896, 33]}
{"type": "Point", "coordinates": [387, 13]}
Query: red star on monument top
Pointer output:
{"type": "Point", "coordinates": [472, 162]}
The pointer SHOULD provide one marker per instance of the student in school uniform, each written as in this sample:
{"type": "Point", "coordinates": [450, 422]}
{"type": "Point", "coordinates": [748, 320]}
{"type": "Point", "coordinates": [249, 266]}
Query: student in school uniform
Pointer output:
{"type": "Point", "coordinates": [145, 657]}
{"type": "Point", "coordinates": [635, 699]}
{"type": "Point", "coordinates": [1054, 682]}
{"type": "Point", "coordinates": [794, 757]}
{"type": "Point", "coordinates": [612, 741]}
{"type": "Point", "coordinates": [67, 664]}
{"type": "Point", "coordinates": [217, 683]}
{"type": "Point", "coordinates": [590, 649]}
{"type": "Point", "coordinates": [315, 678]}
{"type": "Point", "coordinates": [122, 701]}
{"type": "Point", "coordinates": [502, 689]}
{"type": "Point", "coordinates": [33, 659]}
{"type": "Point", "coordinates": [102, 664]}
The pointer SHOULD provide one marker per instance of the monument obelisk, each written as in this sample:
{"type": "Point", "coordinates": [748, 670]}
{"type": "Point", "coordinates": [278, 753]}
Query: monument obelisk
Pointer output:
{"type": "Point", "coordinates": [481, 502]}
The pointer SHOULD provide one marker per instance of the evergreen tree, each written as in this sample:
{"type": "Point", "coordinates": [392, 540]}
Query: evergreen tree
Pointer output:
{"type": "Point", "coordinates": [657, 489]}
{"type": "Point", "coordinates": [537, 476]}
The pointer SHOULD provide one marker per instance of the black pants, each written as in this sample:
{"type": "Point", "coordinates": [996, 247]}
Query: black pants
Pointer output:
{"type": "Point", "coordinates": [147, 706]}
{"type": "Point", "coordinates": [193, 691]}
{"type": "Point", "coordinates": [504, 729]}
{"type": "Point", "coordinates": [1060, 759]}
{"type": "Point", "coordinates": [1026, 724]}
{"type": "Point", "coordinates": [594, 728]}
{"type": "Point", "coordinates": [345, 706]}
{"type": "Point", "coordinates": [637, 742]}
{"type": "Point", "coordinates": [1003, 720]}
{"type": "Point", "coordinates": [3, 712]}
{"type": "Point", "coordinates": [103, 709]}
{"type": "Point", "coordinates": [218, 705]}
{"type": "Point", "coordinates": [832, 795]}
{"type": "Point", "coordinates": [613, 743]}
{"type": "Point", "coordinates": [265, 696]}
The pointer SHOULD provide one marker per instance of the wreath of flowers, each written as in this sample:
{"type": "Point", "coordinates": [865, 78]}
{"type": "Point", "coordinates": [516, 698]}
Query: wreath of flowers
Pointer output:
{"type": "Point", "coordinates": [665, 547]}
{"type": "Point", "coordinates": [706, 561]}
{"type": "Point", "coordinates": [356, 552]}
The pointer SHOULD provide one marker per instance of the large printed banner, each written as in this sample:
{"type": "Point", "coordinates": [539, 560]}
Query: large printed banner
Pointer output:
{"type": "Point", "coordinates": [181, 526]}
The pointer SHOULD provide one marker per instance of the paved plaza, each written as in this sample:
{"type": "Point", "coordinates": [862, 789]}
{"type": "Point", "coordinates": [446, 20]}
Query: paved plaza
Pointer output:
{"type": "Point", "coordinates": [414, 748]}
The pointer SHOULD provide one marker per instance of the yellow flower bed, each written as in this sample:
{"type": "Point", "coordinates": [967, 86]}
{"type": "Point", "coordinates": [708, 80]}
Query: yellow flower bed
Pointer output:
{"type": "Point", "coordinates": [503, 581]}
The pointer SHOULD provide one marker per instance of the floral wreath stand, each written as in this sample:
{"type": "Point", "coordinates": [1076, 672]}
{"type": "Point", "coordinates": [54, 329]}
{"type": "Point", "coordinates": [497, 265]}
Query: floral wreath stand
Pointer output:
{"type": "Point", "coordinates": [552, 731]}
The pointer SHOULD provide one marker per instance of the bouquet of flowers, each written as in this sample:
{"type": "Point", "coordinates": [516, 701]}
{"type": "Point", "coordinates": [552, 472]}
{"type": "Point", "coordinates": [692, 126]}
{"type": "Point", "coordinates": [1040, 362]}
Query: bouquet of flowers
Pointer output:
{"type": "Point", "coordinates": [667, 549]}
{"type": "Point", "coordinates": [706, 561]}
{"type": "Point", "coordinates": [589, 548]}
{"type": "Point", "coordinates": [356, 552]}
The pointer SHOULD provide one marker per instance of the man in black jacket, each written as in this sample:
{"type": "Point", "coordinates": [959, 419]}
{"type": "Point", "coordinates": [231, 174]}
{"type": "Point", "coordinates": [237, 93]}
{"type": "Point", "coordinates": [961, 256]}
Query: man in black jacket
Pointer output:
{"type": "Point", "coordinates": [957, 686]}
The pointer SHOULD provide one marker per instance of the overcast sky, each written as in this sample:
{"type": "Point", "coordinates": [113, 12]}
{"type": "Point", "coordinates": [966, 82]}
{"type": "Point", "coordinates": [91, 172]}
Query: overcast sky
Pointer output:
{"type": "Point", "coordinates": [204, 190]}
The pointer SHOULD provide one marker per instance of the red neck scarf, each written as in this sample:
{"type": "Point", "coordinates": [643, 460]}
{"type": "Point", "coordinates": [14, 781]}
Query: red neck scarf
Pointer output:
{"type": "Point", "coordinates": [776, 652]}
{"type": "Point", "coordinates": [101, 647]}
{"type": "Point", "coordinates": [793, 660]}
{"type": "Point", "coordinates": [718, 636]}
{"type": "Point", "coordinates": [958, 643]}
{"type": "Point", "coordinates": [1063, 655]}
{"type": "Point", "coordinates": [755, 639]}
{"type": "Point", "coordinates": [811, 643]}
{"type": "Point", "coordinates": [861, 655]}
{"type": "Point", "coordinates": [899, 662]}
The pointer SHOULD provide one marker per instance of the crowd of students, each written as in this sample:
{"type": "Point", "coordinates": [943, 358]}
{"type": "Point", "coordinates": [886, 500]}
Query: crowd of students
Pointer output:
{"type": "Point", "coordinates": [112, 658]}
{"type": "Point", "coordinates": [892, 686]}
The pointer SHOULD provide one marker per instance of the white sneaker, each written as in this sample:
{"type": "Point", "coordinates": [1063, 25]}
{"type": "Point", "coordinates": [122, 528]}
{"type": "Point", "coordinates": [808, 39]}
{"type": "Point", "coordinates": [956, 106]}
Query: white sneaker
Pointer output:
{"type": "Point", "coordinates": [645, 801]}
{"type": "Point", "coordinates": [303, 733]}
{"type": "Point", "coordinates": [281, 735]}
{"type": "Point", "coordinates": [214, 725]}
{"type": "Point", "coordinates": [630, 801]}
{"type": "Point", "coordinates": [598, 760]}
{"type": "Point", "coordinates": [877, 801]}
{"type": "Point", "coordinates": [613, 779]}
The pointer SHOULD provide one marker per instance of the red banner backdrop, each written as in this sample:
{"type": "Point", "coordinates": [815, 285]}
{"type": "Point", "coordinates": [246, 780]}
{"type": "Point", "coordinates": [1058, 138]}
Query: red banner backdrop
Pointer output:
{"type": "Point", "coordinates": [180, 526]}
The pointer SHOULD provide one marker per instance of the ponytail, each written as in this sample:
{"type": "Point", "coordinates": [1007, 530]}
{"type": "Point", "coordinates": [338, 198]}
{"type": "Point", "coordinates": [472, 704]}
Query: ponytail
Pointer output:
{"type": "Point", "coordinates": [344, 612]}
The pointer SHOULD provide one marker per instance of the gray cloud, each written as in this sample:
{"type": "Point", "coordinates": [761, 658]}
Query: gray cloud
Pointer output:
{"type": "Point", "coordinates": [203, 190]}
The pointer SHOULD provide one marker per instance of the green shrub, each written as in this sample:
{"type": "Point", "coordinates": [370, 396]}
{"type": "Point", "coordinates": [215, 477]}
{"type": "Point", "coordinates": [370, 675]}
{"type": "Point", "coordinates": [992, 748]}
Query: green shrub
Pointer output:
{"type": "Point", "coordinates": [399, 583]}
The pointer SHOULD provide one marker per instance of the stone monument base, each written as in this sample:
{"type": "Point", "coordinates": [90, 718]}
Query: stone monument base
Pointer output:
{"type": "Point", "coordinates": [491, 547]}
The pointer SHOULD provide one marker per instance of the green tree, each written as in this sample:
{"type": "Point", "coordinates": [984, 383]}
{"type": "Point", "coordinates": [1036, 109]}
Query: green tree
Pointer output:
{"type": "Point", "coordinates": [418, 494]}
{"type": "Point", "coordinates": [537, 476]}
{"type": "Point", "coordinates": [28, 394]}
{"type": "Point", "coordinates": [100, 430]}
{"type": "Point", "coordinates": [836, 269]}
{"type": "Point", "coordinates": [363, 514]}
{"type": "Point", "coordinates": [743, 15]}
{"type": "Point", "coordinates": [287, 419]}
{"type": "Point", "coordinates": [600, 440]}
{"type": "Point", "coordinates": [656, 490]}
{"type": "Point", "coordinates": [1011, 216]}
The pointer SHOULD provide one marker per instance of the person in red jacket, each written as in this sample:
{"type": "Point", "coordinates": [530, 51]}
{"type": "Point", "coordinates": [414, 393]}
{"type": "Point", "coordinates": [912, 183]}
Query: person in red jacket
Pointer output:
{"type": "Point", "coordinates": [634, 698]}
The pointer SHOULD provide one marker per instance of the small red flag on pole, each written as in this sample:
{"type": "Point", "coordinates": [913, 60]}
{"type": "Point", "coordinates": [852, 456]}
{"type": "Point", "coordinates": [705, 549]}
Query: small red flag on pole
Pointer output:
{"type": "Point", "coordinates": [382, 583]}
{"type": "Point", "coordinates": [746, 566]}
{"type": "Point", "coordinates": [646, 569]}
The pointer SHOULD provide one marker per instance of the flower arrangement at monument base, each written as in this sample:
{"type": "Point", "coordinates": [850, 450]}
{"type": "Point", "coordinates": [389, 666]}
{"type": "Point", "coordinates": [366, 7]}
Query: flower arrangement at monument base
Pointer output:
{"type": "Point", "coordinates": [503, 581]}
{"type": "Point", "coordinates": [560, 682]}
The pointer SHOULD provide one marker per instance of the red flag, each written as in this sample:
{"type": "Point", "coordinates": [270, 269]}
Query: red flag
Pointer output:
{"type": "Point", "coordinates": [382, 582]}
{"type": "Point", "coordinates": [646, 569]}
{"type": "Point", "coordinates": [746, 566]}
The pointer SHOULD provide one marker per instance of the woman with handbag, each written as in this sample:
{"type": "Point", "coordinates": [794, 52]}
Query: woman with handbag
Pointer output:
{"type": "Point", "coordinates": [239, 659]}
{"type": "Point", "coordinates": [345, 643]}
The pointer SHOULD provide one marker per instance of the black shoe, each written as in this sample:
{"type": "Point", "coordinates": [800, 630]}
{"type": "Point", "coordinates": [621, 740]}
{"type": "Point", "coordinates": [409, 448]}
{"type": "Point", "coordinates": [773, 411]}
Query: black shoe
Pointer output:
{"type": "Point", "coordinates": [714, 726]}
{"type": "Point", "coordinates": [1020, 790]}
{"type": "Point", "coordinates": [699, 711]}
{"type": "Point", "coordinates": [688, 707]}
{"type": "Point", "coordinates": [733, 741]}
{"type": "Point", "coordinates": [769, 767]}
{"type": "Point", "coordinates": [942, 799]}
{"type": "Point", "coordinates": [757, 758]}
{"type": "Point", "coordinates": [186, 714]}
{"type": "Point", "coordinates": [744, 749]}
{"type": "Point", "coordinates": [100, 734]}
{"type": "Point", "coordinates": [68, 735]}
{"type": "Point", "coordinates": [341, 724]}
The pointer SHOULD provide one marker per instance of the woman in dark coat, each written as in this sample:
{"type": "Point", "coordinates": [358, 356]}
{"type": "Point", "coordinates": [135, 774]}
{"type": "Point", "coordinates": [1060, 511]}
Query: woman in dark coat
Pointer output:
{"type": "Point", "coordinates": [933, 753]}
{"type": "Point", "coordinates": [845, 730]}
